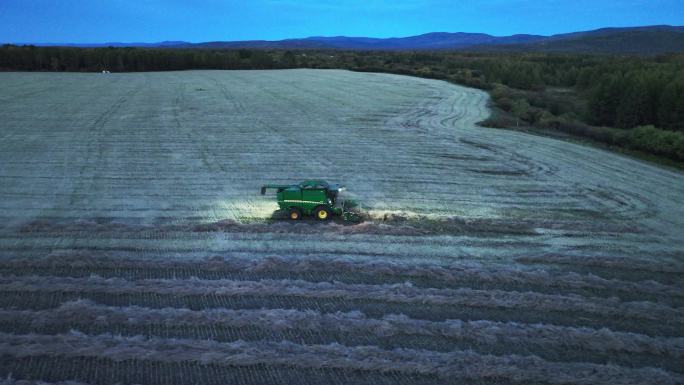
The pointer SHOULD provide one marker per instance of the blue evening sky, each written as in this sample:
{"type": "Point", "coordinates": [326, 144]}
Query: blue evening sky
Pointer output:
{"type": "Point", "coordinates": [90, 21]}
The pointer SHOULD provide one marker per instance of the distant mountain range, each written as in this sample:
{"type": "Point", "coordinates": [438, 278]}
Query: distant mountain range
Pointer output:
{"type": "Point", "coordinates": [629, 40]}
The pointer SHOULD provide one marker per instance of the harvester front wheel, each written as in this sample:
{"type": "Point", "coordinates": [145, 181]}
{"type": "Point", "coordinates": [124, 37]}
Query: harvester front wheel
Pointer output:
{"type": "Point", "coordinates": [322, 213]}
{"type": "Point", "coordinates": [295, 214]}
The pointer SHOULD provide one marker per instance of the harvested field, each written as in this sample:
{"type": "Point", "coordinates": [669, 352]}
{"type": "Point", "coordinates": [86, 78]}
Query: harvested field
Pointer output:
{"type": "Point", "coordinates": [135, 247]}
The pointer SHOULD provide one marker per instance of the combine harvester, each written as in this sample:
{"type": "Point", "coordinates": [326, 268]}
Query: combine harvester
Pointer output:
{"type": "Point", "coordinates": [315, 198]}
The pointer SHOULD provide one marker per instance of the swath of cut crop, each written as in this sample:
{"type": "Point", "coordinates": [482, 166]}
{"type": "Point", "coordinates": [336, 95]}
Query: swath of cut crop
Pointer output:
{"type": "Point", "coordinates": [465, 274]}
{"type": "Point", "coordinates": [391, 293]}
{"type": "Point", "coordinates": [458, 364]}
{"type": "Point", "coordinates": [641, 317]}
{"type": "Point", "coordinates": [548, 336]}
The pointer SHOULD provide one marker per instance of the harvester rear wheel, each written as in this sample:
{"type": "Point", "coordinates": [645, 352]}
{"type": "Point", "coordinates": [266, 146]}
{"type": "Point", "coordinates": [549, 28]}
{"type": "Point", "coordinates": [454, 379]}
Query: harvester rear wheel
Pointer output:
{"type": "Point", "coordinates": [295, 213]}
{"type": "Point", "coordinates": [322, 213]}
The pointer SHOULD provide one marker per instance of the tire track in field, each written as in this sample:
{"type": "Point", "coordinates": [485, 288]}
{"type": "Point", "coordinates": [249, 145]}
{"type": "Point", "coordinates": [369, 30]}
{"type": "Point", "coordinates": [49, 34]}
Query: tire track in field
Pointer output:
{"type": "Point", "coordinates": [96, 146]}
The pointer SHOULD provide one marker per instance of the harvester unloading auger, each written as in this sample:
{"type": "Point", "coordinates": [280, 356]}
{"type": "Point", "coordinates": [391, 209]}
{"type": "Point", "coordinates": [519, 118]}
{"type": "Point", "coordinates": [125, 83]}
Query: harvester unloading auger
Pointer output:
{"type": "Point", "coordinates": [316, 198]}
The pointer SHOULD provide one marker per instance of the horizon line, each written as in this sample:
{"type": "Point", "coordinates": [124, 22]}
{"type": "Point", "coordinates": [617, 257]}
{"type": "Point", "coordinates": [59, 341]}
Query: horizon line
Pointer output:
{"type": "Point", "coordinates": [324, 36]}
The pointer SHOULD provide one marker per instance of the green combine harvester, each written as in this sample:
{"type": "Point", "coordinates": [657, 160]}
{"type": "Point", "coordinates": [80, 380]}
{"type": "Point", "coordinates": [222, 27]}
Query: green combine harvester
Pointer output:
{"type": "Point", "coordinates": [316, 198]}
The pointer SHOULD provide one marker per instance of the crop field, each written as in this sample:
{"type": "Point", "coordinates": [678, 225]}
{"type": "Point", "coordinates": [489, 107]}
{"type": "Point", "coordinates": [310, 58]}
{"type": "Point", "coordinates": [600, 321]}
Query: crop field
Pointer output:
{"type": "Point", "coordinates": [135, 247]}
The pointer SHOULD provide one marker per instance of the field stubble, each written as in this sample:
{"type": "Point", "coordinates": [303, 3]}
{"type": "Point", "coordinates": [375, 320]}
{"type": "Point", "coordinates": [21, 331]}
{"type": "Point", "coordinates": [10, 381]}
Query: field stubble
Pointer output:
{"type": "Point", "coordinates": [135, 248]}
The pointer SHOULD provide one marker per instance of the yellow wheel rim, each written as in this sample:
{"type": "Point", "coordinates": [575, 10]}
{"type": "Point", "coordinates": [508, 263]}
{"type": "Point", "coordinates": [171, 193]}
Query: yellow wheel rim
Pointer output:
{"type": "Point", "coordinates": [322, 214]}
{"type": "Point", "coordinates": [294, 215]}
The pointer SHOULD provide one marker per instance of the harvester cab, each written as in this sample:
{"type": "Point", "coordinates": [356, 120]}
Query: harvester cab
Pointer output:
{"type": "Point", "coordinates": [316, 198]}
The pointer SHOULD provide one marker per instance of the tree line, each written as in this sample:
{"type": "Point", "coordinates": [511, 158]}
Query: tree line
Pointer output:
{"type": "Point", "coordinates": [627, 101]}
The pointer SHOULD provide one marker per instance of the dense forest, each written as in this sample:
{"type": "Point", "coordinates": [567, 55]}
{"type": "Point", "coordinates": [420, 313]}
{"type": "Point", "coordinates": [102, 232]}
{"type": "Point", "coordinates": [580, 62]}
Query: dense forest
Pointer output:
{"type": "Point", "coordinates": [633, 102]}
